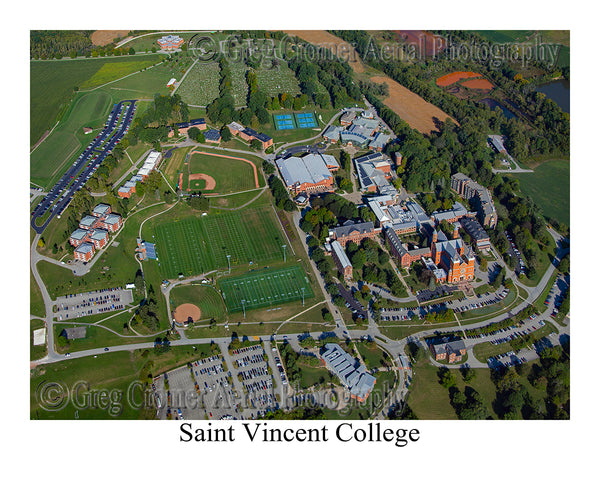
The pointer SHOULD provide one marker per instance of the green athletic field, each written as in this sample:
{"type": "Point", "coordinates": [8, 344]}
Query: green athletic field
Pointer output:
{"type": "Point", "coordinates": [195, 245]}
{"type": "Point", "coordinates": [265, 288]}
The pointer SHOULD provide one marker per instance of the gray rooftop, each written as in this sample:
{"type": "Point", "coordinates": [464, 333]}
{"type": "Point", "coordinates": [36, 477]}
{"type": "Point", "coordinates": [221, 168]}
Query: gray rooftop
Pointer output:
{"type": "Point", "coordinates": [296, 171]}
{"type": "Point", "coordinates": [340, 254]}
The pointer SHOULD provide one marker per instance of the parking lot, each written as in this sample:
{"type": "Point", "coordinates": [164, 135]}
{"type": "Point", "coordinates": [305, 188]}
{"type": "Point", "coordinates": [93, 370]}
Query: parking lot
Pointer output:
{"type": "Point", "coordinates": [514, 252]}
{"type": "Point", "coordinates": [215, 385]}
{"type": "Point", "coordinates": [252, 369]}
{"type": "Point", "coordinates": [199, 390]}
{"type": "Point", "coordinates": [418, 313]}
{"type": "Point", "coordinates": [90, 303]}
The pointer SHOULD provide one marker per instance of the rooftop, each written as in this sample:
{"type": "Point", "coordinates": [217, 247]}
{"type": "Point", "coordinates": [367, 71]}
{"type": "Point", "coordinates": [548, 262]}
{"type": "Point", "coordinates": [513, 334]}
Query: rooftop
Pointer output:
{"type": "Point", "coordinates": [340, 254]}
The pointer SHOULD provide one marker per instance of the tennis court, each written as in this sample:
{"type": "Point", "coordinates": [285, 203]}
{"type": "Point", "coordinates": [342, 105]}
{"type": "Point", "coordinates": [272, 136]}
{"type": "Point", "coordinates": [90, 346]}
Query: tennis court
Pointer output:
{"type": "Point", "coordinates": [305, 120]}
{"type": "Point", "coordinates": [265, 288]}
{"type": "Point", "coordinates": [284, 122]}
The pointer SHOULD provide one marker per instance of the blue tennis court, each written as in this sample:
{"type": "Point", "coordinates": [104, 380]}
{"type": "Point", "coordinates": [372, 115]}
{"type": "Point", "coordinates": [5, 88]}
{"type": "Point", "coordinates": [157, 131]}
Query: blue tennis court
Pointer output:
{"type": "Point", "coordinates": [305, 120]}
{"type": "Point", "coordinates": [284, 122]}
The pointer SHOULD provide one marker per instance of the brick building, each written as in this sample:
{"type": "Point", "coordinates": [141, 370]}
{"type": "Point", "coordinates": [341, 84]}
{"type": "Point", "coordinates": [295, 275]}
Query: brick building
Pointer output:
{"type": "Point", "coordinates": [452, 351]}
{"type": "Point", "coordinates": [341, 260]}
{"type": "Point", "coordinates": [468, 189]}
{"type": "Point", "coordinates": [353, 232]}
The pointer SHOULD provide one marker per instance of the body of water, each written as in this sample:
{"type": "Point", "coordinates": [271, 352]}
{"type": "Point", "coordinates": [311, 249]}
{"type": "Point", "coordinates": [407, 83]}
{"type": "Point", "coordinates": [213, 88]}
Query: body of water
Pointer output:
{"type": "Point", "coordinates": [490, 102]}
{"type": "Point", "coordinates": [559, 91]}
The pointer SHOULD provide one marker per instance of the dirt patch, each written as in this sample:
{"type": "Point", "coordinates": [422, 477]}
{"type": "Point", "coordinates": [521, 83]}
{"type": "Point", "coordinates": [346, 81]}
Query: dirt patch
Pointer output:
{"type": "Point", "coordinates": [478, 83]}
{"type": "Point", "coordinates": [210, 183]}
{"type": "Point", "coordinates": [104, 37]}
{"type": "Point", "coordinates": [411, 108]}
{"type": "Point", "coordinates": [335, 44]}
{"type": "Point", "coordinates": [187, 312]}
{"type": "Point", "coordinates": [454, 77]}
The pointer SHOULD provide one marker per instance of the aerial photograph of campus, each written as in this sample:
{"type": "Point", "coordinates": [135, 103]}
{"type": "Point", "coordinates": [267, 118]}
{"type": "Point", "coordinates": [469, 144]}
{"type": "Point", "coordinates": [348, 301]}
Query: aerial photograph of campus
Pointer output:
{"type": "Point", "coordinates": [299, 224]}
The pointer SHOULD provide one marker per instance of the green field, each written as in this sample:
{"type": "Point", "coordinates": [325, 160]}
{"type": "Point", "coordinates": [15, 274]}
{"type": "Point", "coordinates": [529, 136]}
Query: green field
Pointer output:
{"type": "Point", "coordinates": [265, 288]}
{"type": "Point", "coordinates": [52, 83]}
{"type": "Point", "coordinates": [204, 296]}
{"type": "Point", "coordinates": [549, 188]}
{"type": "Point", "coordinates": [230, 175]}
{"type": "Point", "coordinates": [115, 373]}
{"type": "Point", "coordinates": [194, 245]}
{"type": "Point", "coordinates": [48, 161]}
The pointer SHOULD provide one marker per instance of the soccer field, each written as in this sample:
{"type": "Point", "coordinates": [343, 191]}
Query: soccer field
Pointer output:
{"type": "Point", "coordinates": [195, 245]}
{"type": "Point", "coordinates": [265, 288]}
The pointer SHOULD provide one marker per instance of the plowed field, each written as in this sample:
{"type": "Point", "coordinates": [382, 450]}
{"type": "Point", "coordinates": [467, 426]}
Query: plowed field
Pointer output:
{"type": "Point", "coordinates": [410, 107]}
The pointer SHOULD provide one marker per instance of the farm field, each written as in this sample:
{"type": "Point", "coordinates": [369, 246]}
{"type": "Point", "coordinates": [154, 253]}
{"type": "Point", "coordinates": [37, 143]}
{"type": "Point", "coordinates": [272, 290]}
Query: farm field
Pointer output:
{"type": "Point", "coordinates": [231, 174]}
{"type": "Point", "coordinates": [201, 86]}
{"type": "Point", "coordinates": [265, 288]}
{"type": "Point", "coordinates": [113, 71]}
{"type": "Point", "coordinates": [549, 188]}
{"type": "Point", "coordinates": [192, 245]}
{"type": "Point", "coordinates": [52, 82]}
{"type": "Point", "coordinates": [410, 107]}
{"type": "Point", "coordinates": [142, 85]}
{"type": "Point", "coordinates": [204, 296]}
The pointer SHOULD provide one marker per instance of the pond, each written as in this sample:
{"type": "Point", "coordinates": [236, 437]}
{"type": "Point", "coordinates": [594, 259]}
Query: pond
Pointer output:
{"type": "Point", "coordinates": [490, 102]}
{"type": "Point", "coordinates": [559, 91]}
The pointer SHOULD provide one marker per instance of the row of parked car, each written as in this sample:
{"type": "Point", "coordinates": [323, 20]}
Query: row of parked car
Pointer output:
{"type": "Point", "coordinates": [279, 367]}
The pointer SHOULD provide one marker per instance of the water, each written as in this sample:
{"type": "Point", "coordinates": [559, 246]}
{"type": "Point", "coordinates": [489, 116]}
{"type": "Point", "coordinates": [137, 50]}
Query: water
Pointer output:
{"type": "Point", "coordinates": [490, 102]}
{"type": "Point", "coordinates": [559, 91]}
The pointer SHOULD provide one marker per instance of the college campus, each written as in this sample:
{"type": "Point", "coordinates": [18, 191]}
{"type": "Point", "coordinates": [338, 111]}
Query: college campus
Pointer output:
{"type": "Point", "coordinates": [307, 239]}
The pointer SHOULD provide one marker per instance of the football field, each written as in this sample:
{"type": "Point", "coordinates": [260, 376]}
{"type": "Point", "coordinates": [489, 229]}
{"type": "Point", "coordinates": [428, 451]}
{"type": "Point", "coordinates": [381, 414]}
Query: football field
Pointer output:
{"type": "Point", "coordinates": [265, 288]}
{"type": "Point", "coordinates": [196, 245]}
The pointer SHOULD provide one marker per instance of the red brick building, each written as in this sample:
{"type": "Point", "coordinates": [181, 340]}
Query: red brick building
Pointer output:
{"type": "Point", "coordinates": [84, 252]}
{"type": "Point", "coordinates": [353, 232]}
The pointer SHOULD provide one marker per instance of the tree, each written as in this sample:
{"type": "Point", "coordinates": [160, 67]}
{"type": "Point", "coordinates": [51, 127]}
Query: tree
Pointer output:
{"type": "Point", "coordinates": [447, 377]}
{"type": "Point", "coordinates": [225, 134]}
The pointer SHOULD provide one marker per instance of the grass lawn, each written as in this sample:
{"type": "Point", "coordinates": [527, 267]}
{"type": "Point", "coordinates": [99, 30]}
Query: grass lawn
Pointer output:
{"type": "Point", "coordinates": [431, 401]}
{"type": "Point", "coordinates": [374, 357]}
{"type": "Point", "coordinates": [549, 188]}
{"type": "Point", "coordinates": [113, 372]}
{"type": "Point", "coordinates": [36, 302]}
{"type": "Point", "coordinates": [312, 375]}
{"type": "Point", "coordinates": [204, 296]}
{"type": "Point", "coordinates": [38, 351]}
{"type": "Point", "coordinates": [142, 85]}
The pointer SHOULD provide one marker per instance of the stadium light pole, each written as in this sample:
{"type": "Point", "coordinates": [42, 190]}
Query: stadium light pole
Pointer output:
{"type": "Point", "coordinates": [284, 252]}
{"type": "Point", "coordinates": [229, 263]}
{"type": "Point", "coordinates": [243, 308]}
{"type": "Point", "coordinates": [302, 296]}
